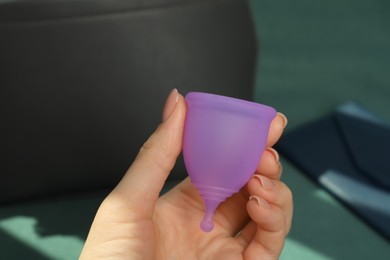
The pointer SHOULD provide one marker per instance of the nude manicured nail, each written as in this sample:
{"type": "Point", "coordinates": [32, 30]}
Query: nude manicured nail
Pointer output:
{"type": "Point", "coordinates": [284, 118]}
{"type": "Point", "coordinates": [274, 153]}
{"type": "Point", "coordinates": [170, 104]}
{"type": "Point", "coordinates": [260, 201]}
{"type": "Point", "coordinates": [265, 182]}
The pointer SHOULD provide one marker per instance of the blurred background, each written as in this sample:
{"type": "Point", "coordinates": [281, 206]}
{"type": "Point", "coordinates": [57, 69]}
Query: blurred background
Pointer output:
{"type": "Point", "coordinates": [303, 57]}
{"type": "Point", "coordinates": [319, 54]}
{"type": "Point", "coordinates": [314, 56]}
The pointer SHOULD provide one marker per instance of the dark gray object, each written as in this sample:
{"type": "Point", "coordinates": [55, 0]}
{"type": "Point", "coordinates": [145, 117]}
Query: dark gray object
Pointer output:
{"type": "Point", "coordinates": [82, 83]}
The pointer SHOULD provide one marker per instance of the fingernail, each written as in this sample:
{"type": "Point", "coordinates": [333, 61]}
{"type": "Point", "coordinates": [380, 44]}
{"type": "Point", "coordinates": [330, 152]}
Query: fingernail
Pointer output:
{"type": "Point", "coordinates": [170, 104]}
{"type": "Point", "coordinates": [265, 182]}
{"type": "Point", "coordinates": [274, 153]}
{"type": "Point", "coordinates": [284, 118]}
{"type": "Point", "coordinates": [260, 201]}
{"type": "Point", "coordinates": [280, 170]}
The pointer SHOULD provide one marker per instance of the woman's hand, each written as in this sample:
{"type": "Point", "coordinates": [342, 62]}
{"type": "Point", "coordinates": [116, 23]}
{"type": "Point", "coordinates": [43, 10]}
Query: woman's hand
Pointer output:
{"type": "Point", "coordinates": [133, 222]}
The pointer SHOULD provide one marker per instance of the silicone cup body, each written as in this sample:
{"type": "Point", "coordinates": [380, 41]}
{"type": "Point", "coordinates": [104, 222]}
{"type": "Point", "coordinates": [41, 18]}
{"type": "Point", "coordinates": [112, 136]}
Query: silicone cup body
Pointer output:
{"type": "Point", "coordinates": [224, 139]}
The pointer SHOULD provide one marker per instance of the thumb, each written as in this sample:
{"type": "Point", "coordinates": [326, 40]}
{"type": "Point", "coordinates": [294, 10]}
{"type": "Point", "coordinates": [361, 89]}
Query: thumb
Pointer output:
{"type": "Point", "coordinates": [142, 183]}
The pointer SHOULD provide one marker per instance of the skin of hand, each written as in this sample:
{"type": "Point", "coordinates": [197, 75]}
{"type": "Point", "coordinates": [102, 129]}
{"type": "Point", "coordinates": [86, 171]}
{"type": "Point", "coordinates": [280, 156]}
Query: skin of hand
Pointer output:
{"type": "Point", "coordinates": [134, 222]}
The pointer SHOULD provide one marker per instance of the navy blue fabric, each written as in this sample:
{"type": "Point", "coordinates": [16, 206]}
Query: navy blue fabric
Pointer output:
{"type": "Point", "coordinates": [347, 152]}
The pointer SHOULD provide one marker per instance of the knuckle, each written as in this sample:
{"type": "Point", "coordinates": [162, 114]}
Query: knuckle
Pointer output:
{"type": "Point", "coordinates": [156, 154]}
{"type": "Point", "coordinates": [146, 146]}
{"type": "Point", "coordinates": [287, 191]}
{"type": "Point", "coordinates": [289, 194]}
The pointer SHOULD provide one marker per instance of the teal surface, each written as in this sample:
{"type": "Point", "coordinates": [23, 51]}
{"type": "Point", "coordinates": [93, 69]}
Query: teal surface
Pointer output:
{"type": "Point", "coordinates": [314, 55]}
{"type": "Point", "coordinates": [47, 229]}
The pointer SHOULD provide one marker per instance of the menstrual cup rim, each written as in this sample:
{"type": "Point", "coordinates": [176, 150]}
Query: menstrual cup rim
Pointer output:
{"type": "Point", "coordinates": [215, 100]}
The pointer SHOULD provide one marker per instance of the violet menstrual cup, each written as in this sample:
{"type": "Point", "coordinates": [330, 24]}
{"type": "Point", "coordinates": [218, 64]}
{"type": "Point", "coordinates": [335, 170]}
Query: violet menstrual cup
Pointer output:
{"type": "Point", "coordinates": [224, 139]}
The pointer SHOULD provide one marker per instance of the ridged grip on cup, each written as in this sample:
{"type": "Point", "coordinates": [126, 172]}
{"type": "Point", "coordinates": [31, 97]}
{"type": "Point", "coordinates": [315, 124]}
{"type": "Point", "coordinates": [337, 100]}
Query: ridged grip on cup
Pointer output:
{"type": "Point", "coordinates": [212, 197]}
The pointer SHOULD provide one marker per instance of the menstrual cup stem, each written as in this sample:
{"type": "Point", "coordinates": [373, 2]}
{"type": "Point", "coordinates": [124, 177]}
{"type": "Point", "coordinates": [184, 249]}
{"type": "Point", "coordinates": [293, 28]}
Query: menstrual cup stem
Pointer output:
{"type": "Point", "coordinates": [207, 223]}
